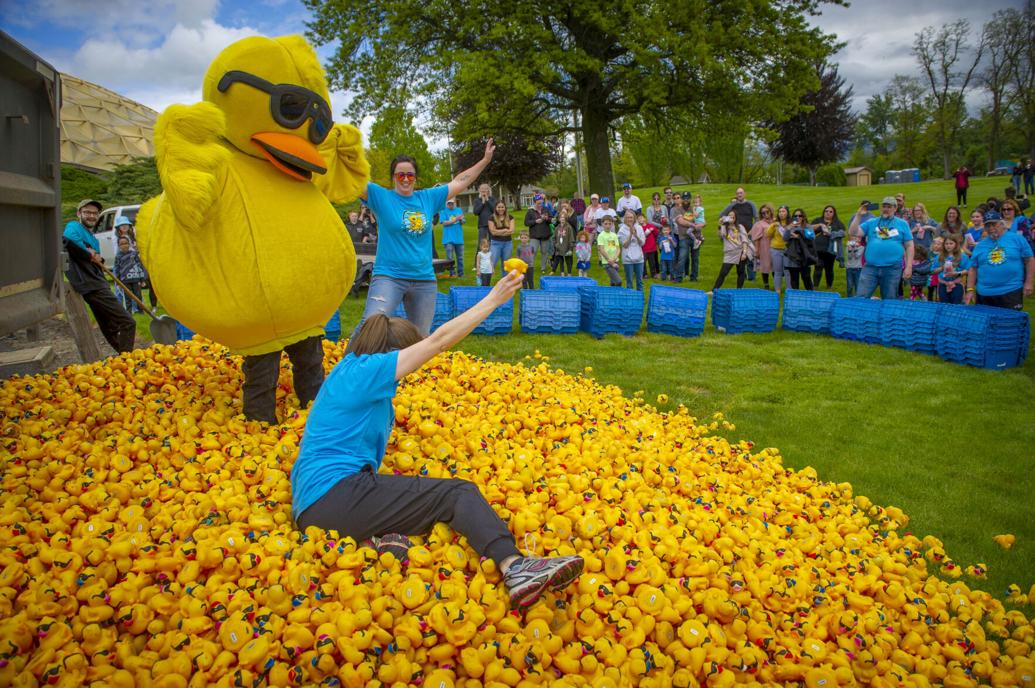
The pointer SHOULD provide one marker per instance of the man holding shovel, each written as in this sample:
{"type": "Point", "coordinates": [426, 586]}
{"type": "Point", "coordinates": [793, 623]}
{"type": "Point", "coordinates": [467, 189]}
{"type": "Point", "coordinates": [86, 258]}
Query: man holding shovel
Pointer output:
{"type": "Point", "coordinates": [86, 276]}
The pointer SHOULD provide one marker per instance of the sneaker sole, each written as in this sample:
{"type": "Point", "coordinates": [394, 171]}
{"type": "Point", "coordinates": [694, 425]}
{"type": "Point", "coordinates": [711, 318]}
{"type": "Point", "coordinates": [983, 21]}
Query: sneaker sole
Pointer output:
{"type": "Point", "coordinates": [560, 579]}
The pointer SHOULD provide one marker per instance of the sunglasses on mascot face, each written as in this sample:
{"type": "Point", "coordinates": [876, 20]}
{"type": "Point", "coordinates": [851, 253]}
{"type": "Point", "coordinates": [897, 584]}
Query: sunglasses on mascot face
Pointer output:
{"type": "Point", "coordinates": [290, 105]}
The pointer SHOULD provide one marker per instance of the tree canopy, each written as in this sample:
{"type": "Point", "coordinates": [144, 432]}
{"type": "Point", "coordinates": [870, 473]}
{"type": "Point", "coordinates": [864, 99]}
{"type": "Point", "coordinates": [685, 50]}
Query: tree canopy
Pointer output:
{"type": "Point", "coordinates": [519, 159]}
{"type": "Point", "coordinates": [533, 65]}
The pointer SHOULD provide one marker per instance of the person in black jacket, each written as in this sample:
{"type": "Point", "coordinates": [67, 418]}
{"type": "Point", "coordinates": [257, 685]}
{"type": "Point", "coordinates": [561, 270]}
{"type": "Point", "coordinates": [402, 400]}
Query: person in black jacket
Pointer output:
{"type": "Point", "coordinates": [483, 208]}
{"type": "Point", "coordinates": [800, 253]}
{"type": "Point", "coordinates": [87, 278]}
{"type": "Point", "coordinates": [537, 219]}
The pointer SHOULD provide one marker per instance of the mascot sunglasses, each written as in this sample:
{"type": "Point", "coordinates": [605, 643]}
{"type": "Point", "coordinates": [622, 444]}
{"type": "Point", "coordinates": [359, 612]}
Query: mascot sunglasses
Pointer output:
{"type": "Point", "coordinates": [290, 105]}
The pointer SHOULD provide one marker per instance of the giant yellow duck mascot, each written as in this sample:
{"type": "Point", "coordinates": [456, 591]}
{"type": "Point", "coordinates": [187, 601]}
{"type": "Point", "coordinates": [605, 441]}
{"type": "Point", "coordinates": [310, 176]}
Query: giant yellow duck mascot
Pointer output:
{"type": "Point", "coordinates": [243, 244]}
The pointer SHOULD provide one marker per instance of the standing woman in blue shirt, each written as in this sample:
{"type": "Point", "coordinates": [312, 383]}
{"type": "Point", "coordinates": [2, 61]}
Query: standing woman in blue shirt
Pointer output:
{"type": "Point", "coordinates": [889, 250]}
{"type": "Point", "coordinates": [403, 270]}
{"type": "Point", "coordinates": [1001, 267]}
{"type": "Point", "coordinates": [335, 484]}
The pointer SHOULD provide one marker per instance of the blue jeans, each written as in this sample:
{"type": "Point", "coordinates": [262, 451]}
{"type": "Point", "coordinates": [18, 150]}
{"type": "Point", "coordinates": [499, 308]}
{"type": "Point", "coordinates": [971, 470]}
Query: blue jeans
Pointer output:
{"type": "Point", "coordinates": [887, 278]}
{"type": "Point", "coordinates": [540, 247]}
{"type": "Point", "coordinates": [954, 296]}
{"type": "Point", "coordinates": [852, 280]}
{"type": "Point", "coordinates": [501, 251]}
{"type": "Point", "coordinates": [682, 255]}
{"type": "Point", "coordinates": [455, 252]}
{"type": "Point", "coordinates": [666, 269]}
{"type": "Point", "coordinates": [631, 270]}
{"type": "Point", "coordinates": [695, 261]}
{"type": "Point", "coordinates": [417, 297]}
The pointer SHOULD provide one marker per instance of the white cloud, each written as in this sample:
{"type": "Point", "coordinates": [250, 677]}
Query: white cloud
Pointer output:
{"type": "Point", "coordinates": [159, 75]}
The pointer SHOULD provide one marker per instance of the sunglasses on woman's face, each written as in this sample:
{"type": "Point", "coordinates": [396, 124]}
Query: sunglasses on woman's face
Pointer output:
{"type": "Point", "coordinates": [1008, 210]}
{"type": "Point", "coordinates": [405, 176]}
{"type": "Point", "coordinates": [291, 106]}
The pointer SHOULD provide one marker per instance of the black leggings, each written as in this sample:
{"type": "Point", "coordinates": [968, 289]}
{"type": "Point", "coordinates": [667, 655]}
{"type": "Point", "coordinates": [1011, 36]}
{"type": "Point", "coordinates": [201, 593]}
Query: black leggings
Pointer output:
{"type": "Point", "coordinates": [726, 267]}
{"type": "Point", "coordinates": [653, 268]}
{"type": "Point", "coordinates": [557, 260]}
{"type": "Point", "coordinates": [961, 197]}
{"type": "Point", "coordinates": [805, 276]}
{"type": "Point", "coordinates": [117, 325]}
{"type": "Point", "coordinates": [825, 265]}
{"type": "Point", "coordinates": [368, 504]}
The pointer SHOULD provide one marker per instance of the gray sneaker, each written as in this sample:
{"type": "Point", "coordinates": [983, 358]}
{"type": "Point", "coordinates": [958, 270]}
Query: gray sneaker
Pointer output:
{"type": "Point", "coordinates": [528, 577]}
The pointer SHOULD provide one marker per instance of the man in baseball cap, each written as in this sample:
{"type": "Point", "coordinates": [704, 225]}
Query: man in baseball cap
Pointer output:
{"type": "Point", "coordinates": [1001, 268]}
{"type": "Point", "coordinates": [889, 250]}
{"type": "Point", "coordinates": [628, 201]}
{"type": "Point", "coordinates": [86, 277]}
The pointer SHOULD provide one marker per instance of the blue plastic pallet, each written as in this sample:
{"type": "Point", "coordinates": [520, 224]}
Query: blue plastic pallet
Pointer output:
{"type": "Point", "coordinates": [676, 311]}
{"type": "Point", "coordinates": [500, 321]}
{"type": "Point", "coordinates": [808, 311]}
{"type": "Point", "coordinates": [550, 312]}
{"type": "Point", "coordinates": [573, 283]}
{"type": "Point", "coordinates": [610, 309]}
{"type": "Point", "coordinates": [332, 330]}
{"type": "Point", "coordinates": [745, 310]}
{"type": "Point", "coordinates": [983, 336]}
{"type": "Point", "coordinates": [856, 319]}
{"type": "Point", "coordinates": [910, 324]}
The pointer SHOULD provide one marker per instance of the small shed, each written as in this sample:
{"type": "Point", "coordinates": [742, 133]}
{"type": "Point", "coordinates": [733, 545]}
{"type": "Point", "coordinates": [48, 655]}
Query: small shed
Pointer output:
{"type": "Point", "coordinates": [859, 176]}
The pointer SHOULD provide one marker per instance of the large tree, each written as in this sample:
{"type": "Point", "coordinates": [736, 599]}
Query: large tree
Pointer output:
{"type": "Point", "coordinates": [821, 132]}
{"type": "Point", "coordinates": [1022, 77]}
{"type": "Point", "coordinates": [392, 134]}
{"type": "Point", "coordinates": [948, 63]}
{"type": "Point", "coordinates": [530, 63]}
{"type": "Point", "coordinates": [1002, 36]}
{"type": "Point", "coordinates": [875, 126]}
{"type": "Point", "coordinates": [911, 116]}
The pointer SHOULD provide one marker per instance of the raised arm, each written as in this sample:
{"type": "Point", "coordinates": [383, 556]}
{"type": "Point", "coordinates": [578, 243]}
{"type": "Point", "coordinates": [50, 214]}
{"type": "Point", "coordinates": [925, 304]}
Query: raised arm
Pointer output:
{"type": "Point", "coordinates": [413, 357]}
{"type": "Point", "coordinates": [853, 229]}
{"type": "Point", "coordinates": [463, 180]}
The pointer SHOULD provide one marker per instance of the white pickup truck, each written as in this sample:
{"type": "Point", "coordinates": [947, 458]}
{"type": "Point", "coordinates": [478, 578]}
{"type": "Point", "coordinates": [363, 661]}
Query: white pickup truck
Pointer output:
{"type": "Point", "coordinates": [105, 229]}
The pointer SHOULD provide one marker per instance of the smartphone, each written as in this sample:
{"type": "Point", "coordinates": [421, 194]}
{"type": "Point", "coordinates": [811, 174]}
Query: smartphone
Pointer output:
{"type": "Point", "coordinates": [872, 206]}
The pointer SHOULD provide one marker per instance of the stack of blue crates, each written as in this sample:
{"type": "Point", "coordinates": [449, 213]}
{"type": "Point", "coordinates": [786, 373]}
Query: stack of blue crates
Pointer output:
{"type": "Point", "coordinates": [857, 319]}
{"type": "Point", "coordinates": [332, 330]}
{"type": "Point", "coordinates": [910, 324]}
{"type": "Point", "coordinates": [573, 283]}
{"type": "Point", "coordinates": [500, 321]}
{"type": "Point", "coordinates": [983, 336]}
{"type": "Point", "coordinates": [675, 311]}
{"type": "Point", "coordinates": [610, 309]}
{"type": "Point", "coordinates": [550, 312]}
{"type": "Point", "coordinates": [808, 311]}
{"type": "Point", "coordinates": [443, 311]}
{"type": "Point", "coordinates": [745, 310]}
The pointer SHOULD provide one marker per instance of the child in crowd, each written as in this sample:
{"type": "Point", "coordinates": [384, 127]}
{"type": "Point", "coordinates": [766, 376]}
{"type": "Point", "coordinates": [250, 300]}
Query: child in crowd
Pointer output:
{"type": "Point", "coordinates": [610, 248]}
{"type": "Point", "coordinates": [853, 265]}
{"type": "Point", "coordinates": [484, 261]}
{"type": "Point", "coordinates": [526, 252]}
{"type": "Point", "coordinates": [130, 270]}
{"type": "Point", "coordinates": [932, 281]}
{"type": "Point", "coordinates": [650, 247]}
{"type": "Point", "coordinates": [562, 244]}
{"type": "Point", "coordinates": [949, 270]}
{"type": "Point", "coordinates": [921, 271]}
{"type": "Point", "coordinates": [583, 253]}
{"type": "Point", "coordinates": [667, 251]}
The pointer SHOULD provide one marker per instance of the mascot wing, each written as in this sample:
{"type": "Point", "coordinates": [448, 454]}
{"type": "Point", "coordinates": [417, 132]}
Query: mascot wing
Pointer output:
{"type": "Point", "coordinates": [192, 159]}
{"type": "Point", "coordinates": [347, 168]}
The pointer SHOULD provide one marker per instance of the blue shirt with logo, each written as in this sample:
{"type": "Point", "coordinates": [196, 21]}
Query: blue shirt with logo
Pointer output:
{"type": "Point", "coordinates": [1000, 264]}
{"type": "Point", "coordinates": [404, 230]}
{"type": "Point", "coordinates": [348, 426]}
{"type": "Point", "coordinates": [886, 240]}
{"type": "Point", "coordinates": [454, 233]}
{"type": "Point", "coordinates": [81, 236]}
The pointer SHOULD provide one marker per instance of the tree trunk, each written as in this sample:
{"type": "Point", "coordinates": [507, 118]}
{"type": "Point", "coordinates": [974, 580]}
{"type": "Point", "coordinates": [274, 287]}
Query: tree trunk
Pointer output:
{"type": "Point", "coordinates": [812, 176]}
{"type": "Point", "coordinates": [598, 151]}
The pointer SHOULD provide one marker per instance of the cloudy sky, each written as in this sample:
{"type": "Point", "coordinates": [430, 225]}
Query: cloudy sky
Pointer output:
{"type": "Point", "coordinates": [156, 51]}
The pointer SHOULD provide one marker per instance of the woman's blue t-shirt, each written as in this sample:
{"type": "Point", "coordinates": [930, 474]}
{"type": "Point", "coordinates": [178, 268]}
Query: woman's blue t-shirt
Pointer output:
{"type": "Point", "coordinates": [1000, 264]}
{"type": "Point", "coordinates": [348, 426]}
{"type": "Point", "coordinates": [454, 233]}
{"type": "Point", "coordinates": [885, 240]}
{"type": "Point", "coordinates": [404, 230]}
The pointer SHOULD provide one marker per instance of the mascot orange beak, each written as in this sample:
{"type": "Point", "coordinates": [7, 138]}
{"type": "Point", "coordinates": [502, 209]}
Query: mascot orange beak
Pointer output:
{"type": "Point", "coordinates": [292, 155]}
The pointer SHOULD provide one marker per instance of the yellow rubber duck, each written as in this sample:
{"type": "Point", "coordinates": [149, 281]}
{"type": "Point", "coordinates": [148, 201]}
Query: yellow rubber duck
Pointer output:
{"type": "Point", "coordinates": [245, 221]}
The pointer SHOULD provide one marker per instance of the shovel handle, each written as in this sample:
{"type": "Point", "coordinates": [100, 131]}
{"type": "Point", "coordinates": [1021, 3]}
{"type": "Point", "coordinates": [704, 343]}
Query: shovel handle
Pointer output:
{"type": "Point", "coordinates": [129, 292]}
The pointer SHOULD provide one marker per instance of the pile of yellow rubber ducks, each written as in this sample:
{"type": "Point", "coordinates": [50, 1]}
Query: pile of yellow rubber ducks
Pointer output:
{"type": "Point", "coordinates": [146, 540]}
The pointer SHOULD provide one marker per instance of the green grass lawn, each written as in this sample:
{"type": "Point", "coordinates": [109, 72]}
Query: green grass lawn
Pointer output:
{"type": "Point", "coordinates": [952, 446]}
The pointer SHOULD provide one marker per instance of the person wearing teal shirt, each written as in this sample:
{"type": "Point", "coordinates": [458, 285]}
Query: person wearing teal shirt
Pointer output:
{"type": "Point", "coordinates": [336, 483]}
{"type": "Point", "coordinates": [1001, 269]}
{"type": "Point", "coordinates": [452, 219]}
{"type": "Point", "coordinates": [889, 250]}
{"type": "Point", "coordinates": [86, 277]}
{"type": "Point", "coordinates": [403, 269]}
